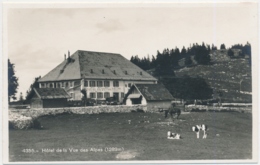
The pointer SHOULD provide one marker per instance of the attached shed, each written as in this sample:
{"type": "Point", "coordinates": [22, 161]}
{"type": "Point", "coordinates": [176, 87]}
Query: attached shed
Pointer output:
{"type": "Point", "coordinates": [153, 95]}
{"type": "Point", "coordinates": [48, 98]}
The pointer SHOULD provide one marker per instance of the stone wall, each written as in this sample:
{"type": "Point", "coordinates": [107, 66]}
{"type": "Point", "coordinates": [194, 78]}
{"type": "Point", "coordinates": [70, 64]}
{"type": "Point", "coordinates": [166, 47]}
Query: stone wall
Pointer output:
{"type": "Point", "coordinates": [36, 112]}
{"type": "Point", "coordinates": [218, 109]}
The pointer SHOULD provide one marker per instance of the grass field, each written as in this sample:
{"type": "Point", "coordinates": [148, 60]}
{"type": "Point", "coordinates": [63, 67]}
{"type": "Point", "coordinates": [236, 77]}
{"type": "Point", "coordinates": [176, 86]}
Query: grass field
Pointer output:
{"type": "Point", "coordinates": [229, 137]}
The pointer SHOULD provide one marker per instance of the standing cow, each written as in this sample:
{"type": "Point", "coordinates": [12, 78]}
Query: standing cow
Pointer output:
{"type": "Point", "coordinates": [173, 110]}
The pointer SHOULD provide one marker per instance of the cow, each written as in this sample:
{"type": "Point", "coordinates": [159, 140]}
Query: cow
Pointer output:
{"type": "Point", "coordinates": [171, 135]}
{"type": "Point", "coordinates": [172, 110]}
{"type": "Point", "coordinates": [199, 128]}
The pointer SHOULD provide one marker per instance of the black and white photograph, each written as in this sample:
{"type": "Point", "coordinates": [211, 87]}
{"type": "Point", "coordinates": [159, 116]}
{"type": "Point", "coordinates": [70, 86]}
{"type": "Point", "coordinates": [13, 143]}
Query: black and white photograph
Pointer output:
{"type": "Point", "coordinates": [130, 82]}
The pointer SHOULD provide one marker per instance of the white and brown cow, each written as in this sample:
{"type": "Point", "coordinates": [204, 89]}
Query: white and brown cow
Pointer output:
{"type": "Point", "coordinates": [199, 128]}
{"type": "Point", "coordinates": [171, 135]}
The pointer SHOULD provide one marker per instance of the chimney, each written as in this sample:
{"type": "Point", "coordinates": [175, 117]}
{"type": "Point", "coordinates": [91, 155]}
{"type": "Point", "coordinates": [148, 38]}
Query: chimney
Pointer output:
{"type": "Point", "coordinates": [103, 71]}
{"type": "Point", "coordinates": [141, 73]}
{"type": "Point", "coordinates": [65, 56]}
{"type": "Point", "coordinates": [114, 71]}
{"type": "Point", "coordinates": [91, 70]}
{"type": "Point", "coordinates": [68, 54]}
{"type": "Point", "coordinates": [126, 72]}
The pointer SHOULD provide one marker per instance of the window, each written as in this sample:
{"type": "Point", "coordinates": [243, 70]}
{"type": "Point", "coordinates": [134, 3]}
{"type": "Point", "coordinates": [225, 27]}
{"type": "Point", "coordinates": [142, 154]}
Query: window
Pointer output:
{"type": "Point", "coordinates": [122, 95]}
{"type": "Point", "coordinates": [115, 83]}
{"type": "Point", "coordinates": [66, 84]}
{"type": "Point", "coordinates": [106, 94]}
{"type": "Point", "coordinates": [99, 95]}
{"type": "Point", "coordinates": [72, 95]}
{"type": "Point", "coordinates": [129, 85]}
{"type": "Point", "coordinates": [85, 83]}
{"type": "Point", "coordinates": [92, 95]}
{"type": "Point", "coordinates": [62, 84]}
{"type": "Point", "coordinates": [58, 85]}
{"type": "Point", "coordinates": [51, 85]}
{"type": "Point", "coordinates": [100, 83]}
{"type": "Point", "coordinates": [42, 85]}
{"type": "Point", "coordinates": [92, 83]}
{"type": "Point", "coordinates": [71, 84]}
{"type": "Point", "coordinates": [106, 84]}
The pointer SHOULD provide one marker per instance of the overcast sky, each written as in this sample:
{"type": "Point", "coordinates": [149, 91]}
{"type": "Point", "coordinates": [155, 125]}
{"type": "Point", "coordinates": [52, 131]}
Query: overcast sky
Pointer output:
{"type": "Point", "coordinates": [39, 37]}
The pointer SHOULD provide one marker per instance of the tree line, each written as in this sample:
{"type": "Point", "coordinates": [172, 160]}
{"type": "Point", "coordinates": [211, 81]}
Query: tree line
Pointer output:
{"type": "Point", "coordinates": [169, 58]}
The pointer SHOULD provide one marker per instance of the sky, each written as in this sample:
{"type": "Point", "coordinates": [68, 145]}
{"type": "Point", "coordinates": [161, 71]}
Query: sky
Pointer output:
{"type": "Point", "coordinates": [38, 37]}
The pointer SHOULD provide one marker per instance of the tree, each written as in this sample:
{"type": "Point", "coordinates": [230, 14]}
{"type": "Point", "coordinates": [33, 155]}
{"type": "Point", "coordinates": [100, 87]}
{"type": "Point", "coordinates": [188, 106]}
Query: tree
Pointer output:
{"type": "Point", "coordinates": [35, 84]}
{"type": "Point", "coordinates": [84, 97]}
{"type": "Point", "coordinates": [202, 55]}
{"type": "Point", "coordinates": [230, 53]}
{"type": "Point", "coordinates": [21, 97]}
{"type": "Point", "coordinates": [188, 61]}
{"type": "Point", "coordinates": [213, 47]}
{"type": "Point", "coordinates": [222, 46]}
{"type": "Point", "coordinates": [183, 51]}
{"type": "Point", "coordinates": [188, 88]}
{"type": "Point", "coordinates": [164, 71]}
{"type": "Point", "coordinates": [12, 81]}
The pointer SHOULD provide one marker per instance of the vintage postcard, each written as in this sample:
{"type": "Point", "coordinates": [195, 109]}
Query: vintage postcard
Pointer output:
{"type": "Point", "coordinates": [154, 82]}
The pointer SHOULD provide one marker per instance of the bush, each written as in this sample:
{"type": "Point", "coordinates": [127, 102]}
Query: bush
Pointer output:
{"type": "Point", "coordinates": [198, 110]}
{"type": "Point", "coordinates": [140, 110]}
{"type": "Point", "coordinates": [18, 121]}
{"type": "Point", "coordinates": [35, 124]}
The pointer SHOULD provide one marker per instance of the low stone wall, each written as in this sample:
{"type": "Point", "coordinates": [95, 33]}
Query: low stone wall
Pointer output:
{"type": "Point", "coordinates": [36, 112]}
{"type": "Point", "coordinates": [218, 109]}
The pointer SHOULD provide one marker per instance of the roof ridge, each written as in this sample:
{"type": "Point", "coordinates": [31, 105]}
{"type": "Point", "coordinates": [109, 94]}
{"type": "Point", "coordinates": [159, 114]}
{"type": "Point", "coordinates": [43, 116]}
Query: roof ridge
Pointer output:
{"type": "Point", "coordinates": [98, 52]}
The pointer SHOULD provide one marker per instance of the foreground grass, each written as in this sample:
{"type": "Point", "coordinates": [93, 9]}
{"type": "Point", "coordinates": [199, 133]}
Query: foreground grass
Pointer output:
{"type": "Point", "coordinates": [229, 137]}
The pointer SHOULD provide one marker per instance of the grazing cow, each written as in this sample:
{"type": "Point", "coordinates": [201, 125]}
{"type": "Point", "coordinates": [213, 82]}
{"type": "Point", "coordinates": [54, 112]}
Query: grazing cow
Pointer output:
{"type": "Point", "coordinates": [199, 128]}
{"type": "Point", "coordinates": [172, 111]}
{"type": "Point", "coordinates": [171, 135]}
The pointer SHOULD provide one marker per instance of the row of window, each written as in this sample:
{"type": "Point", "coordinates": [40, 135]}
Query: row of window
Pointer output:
{"type": "Point", "coordinates": [99, 95]}
{"type": "Point", "coordinates": [86, 84]}
{"type": "Point", "coordinates": [100, 83]}
{"type": "Point", "coordinates": [58, 84]}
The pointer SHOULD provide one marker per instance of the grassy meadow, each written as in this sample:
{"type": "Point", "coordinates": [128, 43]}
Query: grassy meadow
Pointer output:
{"type": "Point", "coordinates": [133, 136]}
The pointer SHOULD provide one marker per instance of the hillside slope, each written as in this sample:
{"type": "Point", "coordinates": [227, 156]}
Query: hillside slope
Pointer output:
{"type": "Point", "coordinates": [231, 76]}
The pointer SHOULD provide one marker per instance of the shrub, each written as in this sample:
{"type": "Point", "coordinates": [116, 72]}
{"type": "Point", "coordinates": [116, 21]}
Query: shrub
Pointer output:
{"type": "Point", "coordinates": [18, 121]}
{"type": "Point", "coordinates": [35, 124]}
{"type": "Point", "coordinates": [140, 110]}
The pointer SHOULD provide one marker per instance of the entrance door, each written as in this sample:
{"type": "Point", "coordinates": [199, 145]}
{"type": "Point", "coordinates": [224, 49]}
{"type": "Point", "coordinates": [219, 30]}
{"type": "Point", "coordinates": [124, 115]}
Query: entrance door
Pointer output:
{"type": "Point", "coordinates": [116, 96]}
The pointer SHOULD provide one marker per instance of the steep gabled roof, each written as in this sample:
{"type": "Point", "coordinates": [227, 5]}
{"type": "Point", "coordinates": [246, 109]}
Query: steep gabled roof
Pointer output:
{"type": "Point", "coordinates": [154, 92]}
{"type": "Point", "coordinates": [51, 93]}
{"type": "Point", "coordinates": [96, 65]}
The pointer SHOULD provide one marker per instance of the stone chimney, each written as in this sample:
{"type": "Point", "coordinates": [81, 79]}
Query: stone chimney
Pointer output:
{"type": "Point", "coordinates": [68, 54]}
{"type": "Point", "coordinates": [65, 56]}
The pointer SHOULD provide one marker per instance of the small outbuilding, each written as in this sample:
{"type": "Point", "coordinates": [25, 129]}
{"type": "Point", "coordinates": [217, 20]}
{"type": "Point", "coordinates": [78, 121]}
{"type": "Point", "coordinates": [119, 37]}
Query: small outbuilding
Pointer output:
{"type": "Point", "coordinates": [48, 98]}
{"type": "Point", "coordinates": [153, 95]}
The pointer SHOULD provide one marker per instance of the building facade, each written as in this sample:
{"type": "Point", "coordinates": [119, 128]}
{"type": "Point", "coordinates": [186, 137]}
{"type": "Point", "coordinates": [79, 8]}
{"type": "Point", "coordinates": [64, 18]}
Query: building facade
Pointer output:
{"type": "Point", "coordinates": [102, 75]}
{"type": "Point", "coordinates": [48, 98]}
{"type": "Point", "coordinates": [154, 96]}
